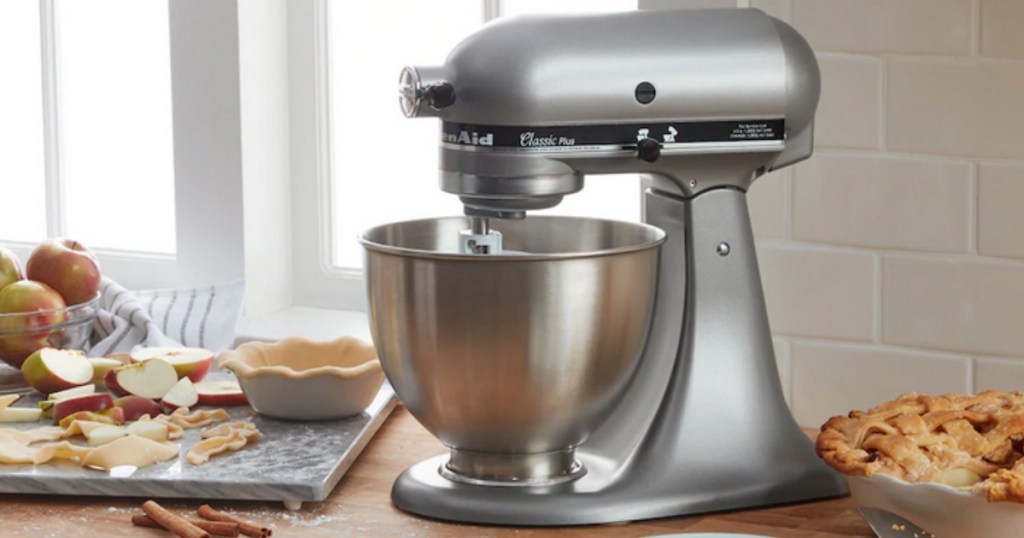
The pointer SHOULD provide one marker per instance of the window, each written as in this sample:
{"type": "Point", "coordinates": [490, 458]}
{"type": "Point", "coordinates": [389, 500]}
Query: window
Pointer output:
{"type": "Point", "coordinates": [379, 178]}
{"type": "Point", "coordinates": [90, 137]}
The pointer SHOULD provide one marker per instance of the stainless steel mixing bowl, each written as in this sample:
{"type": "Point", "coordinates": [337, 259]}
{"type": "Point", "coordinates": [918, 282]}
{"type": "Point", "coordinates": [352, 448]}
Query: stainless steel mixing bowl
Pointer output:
{"type": "Point", "coordinates": [511, 360]}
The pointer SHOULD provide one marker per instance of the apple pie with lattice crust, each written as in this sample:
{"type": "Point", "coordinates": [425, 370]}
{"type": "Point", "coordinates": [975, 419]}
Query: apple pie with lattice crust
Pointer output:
{"type": "Point", "coordinates": [974, 443]}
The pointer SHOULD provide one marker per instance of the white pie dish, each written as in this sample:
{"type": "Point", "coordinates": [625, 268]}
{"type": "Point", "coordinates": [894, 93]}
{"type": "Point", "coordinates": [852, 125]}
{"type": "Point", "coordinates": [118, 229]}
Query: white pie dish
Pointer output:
{"type": "Point", "coordinates": [301, 379]}
{"type": "Point", "coordinates": [942, 510]}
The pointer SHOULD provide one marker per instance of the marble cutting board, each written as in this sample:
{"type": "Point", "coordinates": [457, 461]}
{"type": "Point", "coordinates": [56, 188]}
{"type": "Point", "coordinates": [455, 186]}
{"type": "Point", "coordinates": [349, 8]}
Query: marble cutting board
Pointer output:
{"type": "Point", "coordinates": [294, 462]}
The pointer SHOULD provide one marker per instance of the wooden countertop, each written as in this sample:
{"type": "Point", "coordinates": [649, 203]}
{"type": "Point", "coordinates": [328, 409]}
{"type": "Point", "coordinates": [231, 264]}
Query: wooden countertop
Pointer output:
{"type": "Point", "coordinates": [360, 506]}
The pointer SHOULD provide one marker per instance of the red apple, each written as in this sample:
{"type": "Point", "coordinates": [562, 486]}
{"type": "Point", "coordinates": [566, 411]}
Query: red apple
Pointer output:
{"type": "Point", "coordinates": [191, 362]}
{"type": "Point", "coordinates": [136, 406]}
{"type": "Point", "coordinates": [221, 393]}
{"type": "Point", "coordinates": [10, 267]}
{"type": "Point", "coordinates": [90, 402]}
{"type": "Point", "coordinates": [52, 370]}
{"type": "Point", "coordinates": [29, 305]}
{"type": "Point", "coordinates": [151, 379]}
{"type": "Point", "coordinates": [66, 266]}
{"type": "Point", "coordinates": [182, 394]}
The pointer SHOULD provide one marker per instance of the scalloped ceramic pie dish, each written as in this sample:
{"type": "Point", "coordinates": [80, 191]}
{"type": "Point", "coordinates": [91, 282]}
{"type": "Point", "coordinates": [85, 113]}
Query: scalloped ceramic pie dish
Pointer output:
{"type": "Point", "coordinates": [942, 510]}
{"type": "Point", "coordinates": [301, 379]}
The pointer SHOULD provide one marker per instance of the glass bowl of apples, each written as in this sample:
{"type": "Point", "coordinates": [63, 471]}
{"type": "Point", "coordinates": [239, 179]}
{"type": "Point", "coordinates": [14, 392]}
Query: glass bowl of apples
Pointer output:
{"type": "Point", "coordinates": [22, 333]}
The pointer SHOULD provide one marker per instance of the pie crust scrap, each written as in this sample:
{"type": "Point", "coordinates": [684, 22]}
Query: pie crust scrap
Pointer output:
{"type": "Point", "coordinates": [975, 443]}
{"type": "Point", "coordinates": [225, 437]}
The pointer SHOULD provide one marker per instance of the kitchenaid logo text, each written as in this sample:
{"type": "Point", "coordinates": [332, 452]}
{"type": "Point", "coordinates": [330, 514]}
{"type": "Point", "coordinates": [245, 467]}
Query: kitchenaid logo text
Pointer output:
{"type": "Point", "coordinates": [473, 139]}
{"type": "Point", "coordinates": [530, 139]}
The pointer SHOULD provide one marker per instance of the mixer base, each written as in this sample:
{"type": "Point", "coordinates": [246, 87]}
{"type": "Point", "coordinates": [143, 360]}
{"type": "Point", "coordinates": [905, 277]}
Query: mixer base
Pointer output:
{"type": "Point", "coordinates": [598, 497]}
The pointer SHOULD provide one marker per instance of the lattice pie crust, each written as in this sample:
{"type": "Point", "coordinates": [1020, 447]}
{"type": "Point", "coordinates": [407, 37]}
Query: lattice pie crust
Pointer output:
{"type": "Point", "coordinates": [971, 442]}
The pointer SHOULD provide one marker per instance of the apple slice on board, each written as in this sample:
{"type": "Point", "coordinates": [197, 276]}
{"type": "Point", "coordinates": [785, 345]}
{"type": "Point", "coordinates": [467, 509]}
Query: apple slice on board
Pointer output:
{"type": "Point", "coordinates": [105, 434]}
{"type": "Point", "coordinates": [182, 394]}
{"type": "Point", "coordinates": [100, 367]}
{"type": "Point", "coordinates": [47, 404]}
{"type": "Point", "coordinates": [83, 390]}
{"type": "Point", "coordinates": [150, 379]}
{"type": "Point", "coordinates": [20, 414]}
{"type": "Point", "coordinates": [87, 416]}
{"type": "Point", "coordinates": [150, 429]}
{"type": "Point", "coordinates": [221, 393]}
{"type": "Point", "coordinates": [89, 402]}
{"type": "Point", "coordinates": [191, 362]}
{"type": "Point", "coordinates": [52, 370]}
{"type": "Point", "coordinates": [136, 406]}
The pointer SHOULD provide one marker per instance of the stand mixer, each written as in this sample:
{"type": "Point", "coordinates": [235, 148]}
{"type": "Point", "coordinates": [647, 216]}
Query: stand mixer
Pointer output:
{"type": "Point", "coordinates": [581, 370]}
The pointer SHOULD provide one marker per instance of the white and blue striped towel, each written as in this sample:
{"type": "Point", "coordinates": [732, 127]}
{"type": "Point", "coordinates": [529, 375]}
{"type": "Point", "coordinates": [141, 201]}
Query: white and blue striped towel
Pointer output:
{"type": "Point", "coordinates": [193, 317]}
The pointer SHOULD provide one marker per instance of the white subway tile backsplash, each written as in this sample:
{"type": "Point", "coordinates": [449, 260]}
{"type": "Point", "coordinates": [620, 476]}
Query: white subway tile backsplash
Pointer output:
{"type": "Point", "coordinates": [851, 97]}
{"type": "Point", "coordinates": [880, 255]}
{"type": "Point", "coordinates": [834, 378]}
{"type": "Point", "coordinates": [819, 292]}
{"type": "Point", "coordinates": [956, 107]}
{"type": "Point", "coordinates": [904, 26]}
{"type": "Point", "coordinates": [992, 373]}
{"type": "Point", "coordinates": [1001, 23]}
{"type": "Point", "coordinates": [776, 8]}
{"type": "Point", "coordinates": [1000, 214]}
{"type": "Point", "coordinates": [884, 202]}
{"type": "Point", "coordinates": [962, 305]}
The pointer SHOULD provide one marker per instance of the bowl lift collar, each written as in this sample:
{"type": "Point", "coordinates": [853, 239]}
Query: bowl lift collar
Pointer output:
{"type": "Point", "coordinates": [701, 103]}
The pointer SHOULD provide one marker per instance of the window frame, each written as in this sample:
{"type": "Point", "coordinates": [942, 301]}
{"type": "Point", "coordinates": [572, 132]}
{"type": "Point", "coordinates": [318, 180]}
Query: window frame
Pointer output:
{"type": "Point", "coordinates": [318, 283]}
{"type": "Point", "coordinates": [204, 238]}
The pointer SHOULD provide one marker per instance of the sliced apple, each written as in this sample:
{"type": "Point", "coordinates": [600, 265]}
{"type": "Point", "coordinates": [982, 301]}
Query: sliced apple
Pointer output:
{"type": "Point", "coordinates": [221, 393]}
{"type": "Point", "coordinates": [137, 406]}
{"type": "Point", "coordinates": [20, 414]}
{"type": "Point", "coordinates": [100, 367]}
{"type": "Point", "coordinates": [83, 390]}
{"type": "Point", "coordinates": [51, 370]}
{"type": "Point", "coordinates": [150, 379]}
{"type": "Point", "coordinates": [191, 362]}
{"type": "Point", "coordinates": [150, 429]}
{"type": "Point", "coordinates": [110, 382]}
{"type": "Point", "coordinates": [115, 414]}
{"type": "Point", "coordinates": [105, 434]}
{"type": "Point", "coordinates": [88, 416]}
{"type": "Point", "coordinates": [182, 394]}
{"type": "Point", "coordinates": [89, 402]}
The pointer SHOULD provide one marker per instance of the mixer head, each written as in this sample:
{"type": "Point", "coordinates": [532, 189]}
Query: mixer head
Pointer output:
{"type": "Point", "coordinates": [696, 100]}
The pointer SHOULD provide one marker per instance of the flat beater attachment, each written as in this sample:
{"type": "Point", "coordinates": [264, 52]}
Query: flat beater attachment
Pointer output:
{"type": "Point", "coordinates": [480, 238]}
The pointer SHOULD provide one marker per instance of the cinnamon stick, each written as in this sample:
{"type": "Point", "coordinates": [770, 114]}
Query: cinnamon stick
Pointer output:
{"type": "Point", "coordinates": [216, 528]}
{"type": "Point", "coordinates": [174, 523]}
{"type": "Point", "coordinates": [207, 512]}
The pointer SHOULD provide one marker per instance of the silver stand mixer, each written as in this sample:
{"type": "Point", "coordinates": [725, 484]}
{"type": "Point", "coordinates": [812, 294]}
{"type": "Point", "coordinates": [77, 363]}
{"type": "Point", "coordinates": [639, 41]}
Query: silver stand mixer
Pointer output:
{"type": "Point", "coordinates": [581, 370]}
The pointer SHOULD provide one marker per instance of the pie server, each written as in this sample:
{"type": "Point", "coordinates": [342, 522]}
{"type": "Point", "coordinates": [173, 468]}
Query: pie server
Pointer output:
{"type": "Point", "coordinates": [889, 525]}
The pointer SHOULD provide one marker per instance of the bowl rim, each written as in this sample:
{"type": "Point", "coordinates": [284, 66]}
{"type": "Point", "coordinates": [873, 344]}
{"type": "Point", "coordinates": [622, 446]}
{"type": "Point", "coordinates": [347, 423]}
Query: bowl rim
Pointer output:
{"type": "Point", "coordinates": [90, 307]}
{"type": "Point", "coordinates": [234, 359]}
{"type": "Point", "coordinates": [659, 237]}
